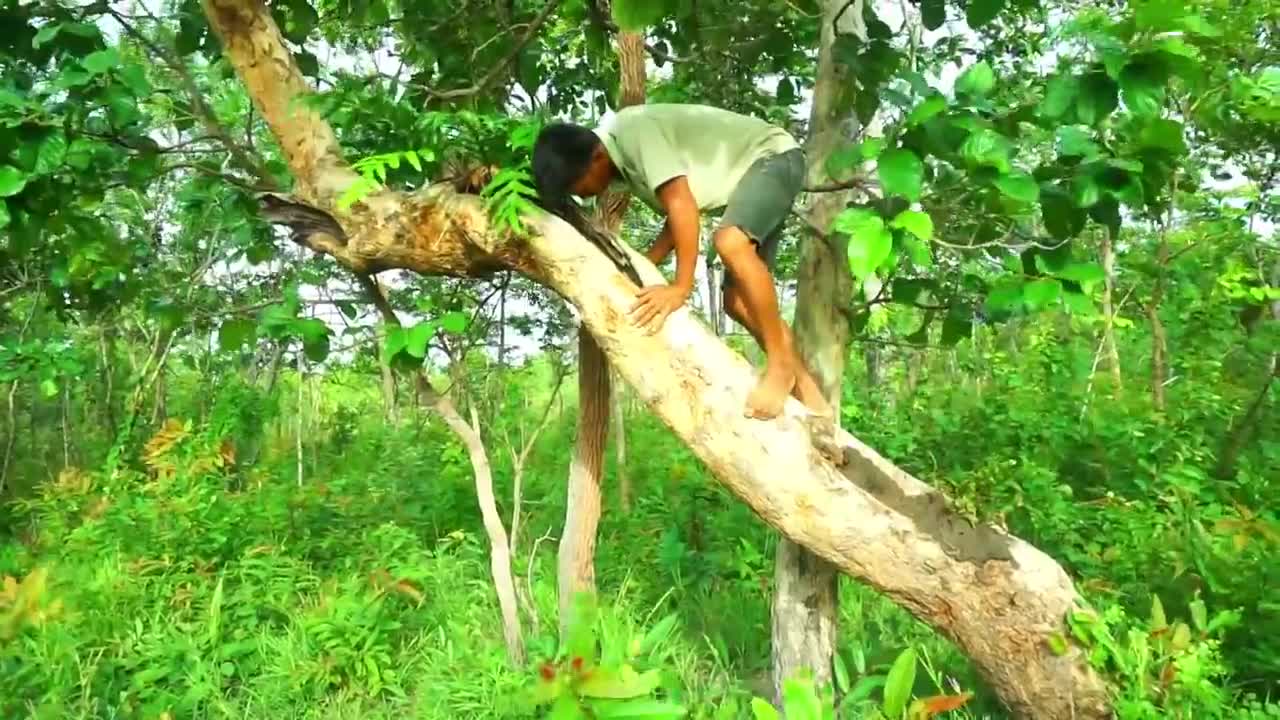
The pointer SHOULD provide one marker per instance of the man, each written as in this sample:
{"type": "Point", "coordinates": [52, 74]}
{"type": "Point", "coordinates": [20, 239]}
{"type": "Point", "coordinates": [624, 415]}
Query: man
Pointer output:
{"type": "Point", "coordinates": [682, 160]}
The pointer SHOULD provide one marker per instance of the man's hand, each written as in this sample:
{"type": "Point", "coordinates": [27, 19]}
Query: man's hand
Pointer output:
{"type": "Point", "coordinates": [656, 302]}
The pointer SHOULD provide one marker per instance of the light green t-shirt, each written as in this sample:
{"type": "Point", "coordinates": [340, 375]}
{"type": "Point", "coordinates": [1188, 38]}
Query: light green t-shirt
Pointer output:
{"type": "Point", "coordinates": [651, 144]}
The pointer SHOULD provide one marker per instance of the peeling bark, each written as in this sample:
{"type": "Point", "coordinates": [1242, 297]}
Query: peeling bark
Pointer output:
{"type": "Point", "coordinates": [996, 597]}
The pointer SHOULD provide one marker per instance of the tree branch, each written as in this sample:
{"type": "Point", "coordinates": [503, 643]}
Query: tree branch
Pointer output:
{"type": "Point", "coordinates": [506, 60]}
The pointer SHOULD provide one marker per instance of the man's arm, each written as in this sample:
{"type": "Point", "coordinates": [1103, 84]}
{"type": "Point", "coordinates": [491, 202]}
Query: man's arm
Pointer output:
{"type": "Point", "coordinates": [680, 231]}
{"type": "Point", "coordinates": [662, 246]}
{"type": "Point", "coordinates": [681, 228]}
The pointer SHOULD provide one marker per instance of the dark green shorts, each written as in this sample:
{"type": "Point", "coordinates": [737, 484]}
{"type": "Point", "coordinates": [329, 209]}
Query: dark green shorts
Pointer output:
{"type": "Point", "coordinates": [759, 205]}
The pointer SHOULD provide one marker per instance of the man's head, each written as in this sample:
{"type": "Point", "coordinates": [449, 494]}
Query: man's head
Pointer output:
{"type": "Point", "coordinates": [570, 160]}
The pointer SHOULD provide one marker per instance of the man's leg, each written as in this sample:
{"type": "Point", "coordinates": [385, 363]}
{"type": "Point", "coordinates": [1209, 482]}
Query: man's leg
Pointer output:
{"type": "Point", "coordinates": [806, 389]}
{"type": "Point", "coordinates": [753, 283]}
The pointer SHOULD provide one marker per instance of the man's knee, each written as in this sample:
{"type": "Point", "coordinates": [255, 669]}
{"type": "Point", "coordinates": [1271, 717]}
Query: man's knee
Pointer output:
{"type": "Point", "coordinates": [730, 239]}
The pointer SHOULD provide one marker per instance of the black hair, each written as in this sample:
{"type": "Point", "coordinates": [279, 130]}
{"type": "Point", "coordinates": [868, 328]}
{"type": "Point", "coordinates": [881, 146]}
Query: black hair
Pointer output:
{"type": "Point", "coordinates": [561, 155]}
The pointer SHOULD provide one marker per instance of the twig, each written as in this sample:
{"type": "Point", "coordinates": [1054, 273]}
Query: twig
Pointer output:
{"type": "Point", "coordinates": [860, 182]}
{"type": "Point", "coordinates": [492, 74]}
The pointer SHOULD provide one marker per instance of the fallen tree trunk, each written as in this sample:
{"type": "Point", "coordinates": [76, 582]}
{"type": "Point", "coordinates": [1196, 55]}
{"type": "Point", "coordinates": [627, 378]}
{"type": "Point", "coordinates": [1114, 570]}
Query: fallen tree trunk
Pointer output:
{"type": "Point", "coordinates": [996, 597]}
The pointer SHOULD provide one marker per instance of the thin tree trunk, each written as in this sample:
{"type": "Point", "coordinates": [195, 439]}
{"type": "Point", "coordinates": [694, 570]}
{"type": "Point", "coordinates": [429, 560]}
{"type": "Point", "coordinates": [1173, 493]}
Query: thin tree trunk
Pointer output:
{"type": "Point", "coordinates": [1159, 339]}
{"type": "Point", "coordinates": [620, 446]}
{"type": "Point", "coordinates": [499, 545]}
{"type": "Point", "coordinates": [805, 594]}
{"type": "Point", "coordinates": [11, 427]}
{"type": "Point", "coordinates": [66, 425]}
{"type": "Point", "coordinates": [576, 564]}
{"type": "Point", "coordinates": [301, 413]}
{"type": "Point", "coordinates": [1108, 309]}
{"type": "Point", "coordinates": [107, 345]}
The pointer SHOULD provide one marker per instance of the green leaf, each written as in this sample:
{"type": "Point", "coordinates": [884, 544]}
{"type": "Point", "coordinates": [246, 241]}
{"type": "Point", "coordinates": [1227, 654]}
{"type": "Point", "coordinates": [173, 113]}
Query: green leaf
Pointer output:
{"type": "Point", "coordinates": [1020, 186]}
{"type": "Point", "coordinates": [1164, 134]}
{"type": "Point", "coordinates": [1059, 96]}
{"type": "Point", "coordinates": [1085, 191]}
{"type": "Point", "coordinates": [48, 388]}
{"type": "Point", "coordinates": [979, 79]}
{"type": "Point", "coordinates": [418, 337]}
{"type": "Point", "coordinates": [50, 153]}
{"type": "Point", "coordinates": [638, 14]}
{"type": "Point", "coordinates": [869, 240]}
{"type": "Point", "coordinates": [800, 700]}
{"type": "Point", "coordinates": [454, 322]}
{"type": "Point", "coordinates": [915, 222]}
{"type": "Point", "coordinates": [1199, 26]}
{"type": "Point", "coordinates": [1085, 274]}
{"type": "Point", "coordinates": [927, 108]}
{"type": "Point", "coordinates": [1058, 643]}
{"type": "Point", "coordinates": [762, 710]}
{"type": "Point", "coordinates": [46, 33]}
{"type": "Point", "coordinates": [1005, 295]}
{"type": "Point", "coordinates": [1199, 614]}
{"type": "Point", "coordinates": [12, 180]}
{"type": "Point", "coordinates": [1158, 620]}
{"type": "Point", "coordinates": [1142, 85]}
{"type": "Point", "coordinates": [1098, 97]}
{"type": "Point", "coordinates": [917, 251]}
{"type": "Point", "coordinates": [1158, 15]}
{"type": "Point", "coordinates": [1061, 217]}
{"type": "Point", "coordinates": [101, 61]}
{"type": "Point", "coordinates": [786, 92]}
{"type": "Point", "coordinates": [618, 684]}
{"type": "Point", "coordinates": [898, 684]}
{"type": "Point", "coordinates": [933, 13]}
{"type": "Point", "coordinates": [956, 327]}
{"type": "Point", "coordinates": [638, 710]}
{"type": "Point", "coordinates": [658, 633]}
{"type": "Point", "coordinates": [901, 173]}
{"type": "Point", "coordinates": [981, 12]}
{"type": "Point", "coordinates": [4, 215]}
{"type": "Point", "coordinates": [1073, 141]}
{"type": "Point", "coordinates": [1039, 294]}
{"type": "Point", "coordinates": [1079, 304]}
{"type": "Point", "coordinates": [871, 148]}
{"type": "Point", "coordinates": [987, 147]}
{"type": "Point", "coordinates": [566, 708]}
{"type": "Point", "coordinates": [236, 333]}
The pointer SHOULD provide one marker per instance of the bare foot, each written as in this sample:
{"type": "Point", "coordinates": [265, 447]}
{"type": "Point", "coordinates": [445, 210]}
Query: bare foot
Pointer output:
{"type": "Point", "coordinates": [808, 392]}
{"type": "Point", "coordinates": [766, 400]}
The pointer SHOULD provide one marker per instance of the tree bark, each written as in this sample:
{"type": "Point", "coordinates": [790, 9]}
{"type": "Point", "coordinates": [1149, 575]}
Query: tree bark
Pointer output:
{"type": "Point", "coordinates": [805, 610]}
{"type": "Point", "coordinates": [576, 558]}
{"type": "Point", "coordinates": [620, 448]}
{"type": "Point", "coordinates": [582, 512]}
{"type": "Point", "coordinates": [1108, 308]}
{"type": "Point", "coordinates": [1159, 338]}
{"type": "Point", "coordinates": [997, 598]}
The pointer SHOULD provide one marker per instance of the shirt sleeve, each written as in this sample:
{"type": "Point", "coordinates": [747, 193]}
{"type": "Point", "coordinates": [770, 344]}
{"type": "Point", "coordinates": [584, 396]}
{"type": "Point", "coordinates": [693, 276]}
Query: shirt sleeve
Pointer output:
{"type": "Point", "coordinates": [650, 151]}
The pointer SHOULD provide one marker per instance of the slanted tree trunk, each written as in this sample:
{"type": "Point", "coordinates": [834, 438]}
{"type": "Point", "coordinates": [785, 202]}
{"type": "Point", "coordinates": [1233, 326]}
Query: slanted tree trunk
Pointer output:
{"type": "Point", "coordinates": [997, 598]}
{"type": "Point", "coordinates": [582, 514]}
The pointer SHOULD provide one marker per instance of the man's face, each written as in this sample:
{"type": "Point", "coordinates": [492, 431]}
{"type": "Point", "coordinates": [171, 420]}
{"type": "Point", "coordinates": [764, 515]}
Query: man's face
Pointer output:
{"type": "Point", "coordinates": [597, 177]}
